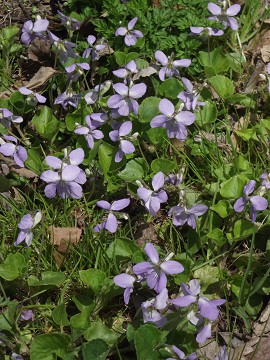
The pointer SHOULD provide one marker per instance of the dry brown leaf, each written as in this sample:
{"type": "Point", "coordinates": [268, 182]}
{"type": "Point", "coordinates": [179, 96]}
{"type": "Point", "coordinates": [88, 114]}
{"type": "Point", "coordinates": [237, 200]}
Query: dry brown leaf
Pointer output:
{"type": "Point", "coordinates": [41, 77]}
{"type": "Point", "coordinates": [64, 235]}
{"type": "Point", "coordinates": [29, 174]}
{"type": "Point", "coordinates": [146, 233]}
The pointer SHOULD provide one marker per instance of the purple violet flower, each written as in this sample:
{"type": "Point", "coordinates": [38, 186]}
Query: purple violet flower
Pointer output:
{"type": "Point", "coordinates": [99, 90]}
{"type": "Point", "coordinates": [94, 50]}
{"type": "Point", "coordinates": [265, 180]}
{"type": "Point", "coordinates": [27, 315]}
{"type": "Point", "coordinates": [33, 98]}
{"type": "Point", "coordinates": [206, 31]}
{"type": "Point", "coordinates": [204, 334]}
{"type": "Point", "coordinates": [26, 225]}
{"type": "Point", "coordinates": [32, 30]}
{"type": "Point", "coordinates": [182, 215]}
{"type": "Point", "coordinates": [125, 146]}
{"type": "Point", "coordinates": [64, 49]}
{"type": "Point", "coordinates": [11, 148]}
{"type": "Point", "coordinates": [16, 356]}
{"type": "Point", "coordinates": [90, 133]}
{"type": "Point", "coordinates": [174, 179]}
{"type": "Point", "coordinates": [125, 102]}
{"type": "Point", "coordinates": [174, 121]}
{"type": "Point", "coordinates": [169, 65]}
{"type": "Point", "coordinates": [110, 223]}
{"type": "Point", "coordinates": [150, 309]}
{"type": "Point", "coordinates": [257, 203]}
{"type": "Point", "coordinates": [222, 354]}
{"type": "Point", "coordinates": [125, 281]}
{"type": "Point", "coordinates": [69, 22]}
{"type": "Point", "coordinates": [190, 96]}
{"type": "Point", "coordinates": [76, 70]}
{"type": "Point", "coordinates": [225, 16]}
{"type": "Point", "coordinates": [7, 117]}
{"type": "Point", "coordinates": [155, 271]}
{"type": "Point", "coordinates": [130, 35]}
{"type": "Point", "coordinates": [181, 355]}
{"type": "Point", "coordinates": [127, 71]}
{"type": "Point", "coordinates": [68, 98]}
{"type": "Point", "coordinates": [153, 199]}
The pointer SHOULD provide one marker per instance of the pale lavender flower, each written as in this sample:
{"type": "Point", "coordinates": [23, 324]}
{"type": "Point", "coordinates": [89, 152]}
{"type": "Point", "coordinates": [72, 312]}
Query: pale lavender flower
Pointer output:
{"type": "Point", "coordinates": [182, 215]}
{"type": "Point", "coordinates": [76, 70]}
{"type": "Point", "coordinates": [126, 282]}
{"type": "Point", "coordinates": [110, 223]}
{"type": "Point", "coordinates": [94, 50]}
{"type": "Point", "coordinates": [130, 35]}
{"type": "Point", "coordinates": [225, 17]}
{"type": "Point", "coordinates": [206, 31]}
{"type": "Point", "coordinates": [174, 179]}
{"type": "Point", "coordinates": [11, 148]}
{"type": "Point", "coordinates": [204, 334]}
{"type": "Point", "coordinates": [7, 117]}
{"type": "Point", "coordinates": [153, 199]}
{"type": "Point", "coordinates": [174, 121]}
{"type": "Point", "coordinates": [127, 72]}
{"type": "Point", "coordinates": [181, 355]}
{"type": "Point", "coordinates": [64, 49]}
{"type": "Point", "coordinates": [256, 203]}
{"type": "Point", "coordinates": [69, 22]}
{"type": "Point", "coordinates": [99, 90]}
{"type": "Point", "coordinates": [125, 146]}
{"type": "Point", "coordinates": [32, 30]}
{"type": "Point", "coordinates": [33, 98]}
{"type": "Point", "coordinates": [16, 356]}
{"type": "Point", "coordinates": [190, 96]}
{"type": "Point", "coordinates": [150, 309]}
{"type": "Point", "coordinates": [26, 226]}
{"type": "Point", "coordinates": [222, 354]}
{"type": "Point", "coordinates": [68, 98]}
{"type": "Point", "coordinates": [169, 65]}
{"type": "Point", "coordinates": [155, 271]}
{"type": "Point", "coordinates": [265, 180]}
{"type": "Point", "coordinates": [125, 102]}
{"type": "Point", "coordinates": [27, 315]}
{"type": "Point", "coordinates": [90, 131]}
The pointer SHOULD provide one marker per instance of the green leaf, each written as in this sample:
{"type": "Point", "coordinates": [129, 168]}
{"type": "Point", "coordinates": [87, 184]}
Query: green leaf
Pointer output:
{"type": "Point", "coordinates": [46, 123]}
{"type": "Point", "coordinates": [149, 109]}
{"type": "Point", "coordinates": [157, 136]}
{"type": "Point", "coordinates": [147, 338]}
{"type": "Point", "coordinates": [164, 165]}
{"type": "Point", "coordinates": [170, 88]}
{"type": "Point", "coordinates": [254, 304]}
{"type": "Point", "coordinates": [217, 236]}
{"type": "Point", "coordinates": [8, 317]}
{"type": "Point", "coordinates": [122, 248]}
{"type": "Point", "coordinates": [47, 278]}
{"type": "Point", "coordinates": [59, 315]}
{"type": "Point", "coordinates": [78, 116]}
{"type": "Point", "coordinates": [105, 154]}
{"type": "Point", "coordinates": [222, 208]}
{"type": "Point", "coordinates": [243, 228]}
{"type": "Point", "coordinates": [120, 58]}
{"type": "Point", "coordinates": [214, 59]}
{"type": "Point", "coordinates": [82, 320]}
{"type": "Point", "coordinates": [95, 350]}
{"type": "Point", "coordinates": [134, 170]}
{"type": "Point", "coordinates": [222, 85]}
{"type": "Point", "coordinates": [6, 184]}
{"type": "Point", "coordinates": [242, 99]}
{"type": "Point", "coordinates": [97, 330]}
{"type": "Point", "coordinates": [207, 115]}
{"type": "Point", "coordinates": [94, 278]}
{"type": "Point", "coordinates": [208, 275]}
{"type": "Point", "coordinates": [245, 134]}
{"type": "Point", "coordinates": [233, 188]}
{"type": "Point", "coordinates": [33, 161]}
{"type": "Point", "coordinates": [18, 100]}
{"type": "Point", "coordinates": [12, 267]}
{"type": "Point", "coordinates": [44, 346]}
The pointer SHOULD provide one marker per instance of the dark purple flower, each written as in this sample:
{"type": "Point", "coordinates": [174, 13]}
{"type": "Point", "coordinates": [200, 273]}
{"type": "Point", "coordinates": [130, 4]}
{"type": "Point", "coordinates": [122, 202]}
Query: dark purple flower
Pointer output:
{"type": "Point", "coordinates": [125, 281]}
{"type": "Point", "coordinates": [181, 355]}
{"type": "Point", "coordinates": [125, 102]}
{"type": "Point", "coordinates": [69, 22]}
{"type": "Point", "coordinates": [7, 117]}
{"type": "Point", "coordinates": [225, 17]}
{"type": "Point", "coordinates": [174, 179]}
{"type": "Point", "coordinates": [27, 315]}
{"type": "Point", "coordinates": [125, 146]}
{"type": "Point", "coordinates": [257, 203]}
{"type": "Point", "coordinates": [222, 354]}
{"type": "Point", "coordinates": [99, 90]}
{"type": "Point", "coordinates": [94, 50]}
{"type": "Point", "coordinates": [153, 199]}
{"type": "Point", "coordinates": [76, 70]}
{"type": "Point", "coordinates": [68, 98]}
{"type": "Point", "coordinates": [26, 225]}
{"type": "Point", "coordinates": [206, 31]}
{"type": "Point", "coordinates": [155, 271]}
{"type": "Point", "coordinates": [130, 35]}
{"type": "Point", "coordinates": [182, 215]}
{"type": "Point", "coordinates": [110, 223]}
{"type": "Point", "coordinates": [90, 131]}
{"type": "Point", "coordinates": [32, 98]}
{"type": "Point", "coordinates": [32, 30]}
{"type": "Point", "coordinates": [190, 96]}
{"type": "Point", "coordinates": [11, 148]}
{"type": "Point", "coordinates": [174, 121]}
{"type": "Point", "coordinates": [150, 309]}
{"type": "Point", "coordinates": [169, 65]}
{"type": "Point", "coordinates": [64, 49]}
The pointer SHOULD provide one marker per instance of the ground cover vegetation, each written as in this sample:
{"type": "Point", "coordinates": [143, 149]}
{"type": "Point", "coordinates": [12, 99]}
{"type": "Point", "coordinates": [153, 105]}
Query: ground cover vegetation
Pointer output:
{"type": "Point", "coordinates": [135, 181]}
